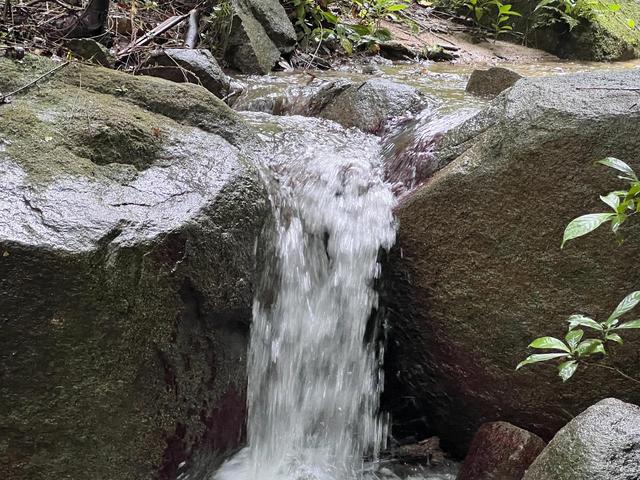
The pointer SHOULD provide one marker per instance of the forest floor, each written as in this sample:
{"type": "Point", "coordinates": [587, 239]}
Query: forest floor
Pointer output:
{"type": "Point", "coordinates": [469, 48]}
{"type": "Point", "coordinates": [35, 27]}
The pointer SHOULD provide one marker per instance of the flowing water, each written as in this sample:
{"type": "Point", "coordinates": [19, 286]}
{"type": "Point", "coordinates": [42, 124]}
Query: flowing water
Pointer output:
{"type": "Point", "coordinates": [314, 376]}
{"type": "Point", "coordinates": [315, 372]}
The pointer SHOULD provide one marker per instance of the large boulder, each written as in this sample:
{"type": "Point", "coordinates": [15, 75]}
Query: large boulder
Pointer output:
{"type": "Point", "coordinates": [477, 271]}
{"type": "Point", "coordinates": [260, 33]}
{"type": "Point", "coordinates": [602, 443]}
{"type": "Point", "coordinates": [127, 230]}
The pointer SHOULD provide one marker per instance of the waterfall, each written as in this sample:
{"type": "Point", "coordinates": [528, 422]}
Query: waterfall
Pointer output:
{"type": "Point", "coordinates": [314, 359]}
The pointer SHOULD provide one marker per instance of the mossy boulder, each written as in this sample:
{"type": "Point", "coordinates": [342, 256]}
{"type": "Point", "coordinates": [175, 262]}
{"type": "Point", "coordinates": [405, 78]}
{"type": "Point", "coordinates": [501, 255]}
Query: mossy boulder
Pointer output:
{"type": "Point", "coordinates": [130, 210]}
{"type": "Point", "coordinates": [609, 35]}
{"type": "Point", "coordinates": [478, 273]}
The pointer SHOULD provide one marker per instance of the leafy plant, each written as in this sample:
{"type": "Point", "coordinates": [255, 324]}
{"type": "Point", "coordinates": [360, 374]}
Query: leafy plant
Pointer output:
{"type": "Point", "coordinates": [496, 13]}
{"type": "Point", "coordinates": [623, 203]}
{"type": "Point", "coordinates": [377, 10]}
{"type": "Point", "coordinates": [572, 12]}
{"type": "Point", "coordinates": [218, 23]}
{"type": "Point", "coordinates": [575, 349]}
{"type": "Point", "coordinates": [319, 21]}
{"type": "Point", "coordinates": [503, 15]}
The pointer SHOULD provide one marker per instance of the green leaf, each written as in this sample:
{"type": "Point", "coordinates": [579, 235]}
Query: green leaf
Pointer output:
{"type": "Point", "coordinates": [329, 17]}
{"type": "Point", "coordinates": [549, 343]}
{"type": "Point", "coordinates": [618, 165]}
{"type": "Point", "coordinates": [396, 8]}
{"type": "Point", "coordinates": [347, 46]}
{"type": "Point", "coordinates": [567, 369]}
{"type": "Point", "coordinates": [540, 357]}
{"type": "Point", "coordinates": [585, 224]}
{"type": "Point", "coordinates": [631, 23]}
{"type": "Point", "coordinates": [627, 304]}
{"type": "Point", "coordinates": [613, 7]}
{"type": "Point", "coordinates": [629, 325]}
{"type": "Point", "coordinates": [614, 337]}
{"type": "Point", "coordinates": [617, 222]}
{"type": "Point", "coordinates": [612, 200]}
{"type": "Point", "coordinates": [633, 190]}
{"type": "Point", "coordinates": [575, 320]}
{"type": "Point", "coordinates": [590, 347]}
{"type": "Point", "coordinates": [543, 4]}
{"type": "Point", "coordinates": [574, 337]}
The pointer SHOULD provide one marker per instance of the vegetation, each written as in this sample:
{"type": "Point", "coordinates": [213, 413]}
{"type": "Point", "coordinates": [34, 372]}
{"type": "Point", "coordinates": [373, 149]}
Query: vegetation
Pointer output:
{"type": "Point", "coordinates": [572, 12]}
{"type": "Point", "coordinates": [575, 349]}
{"type": "Point", "coordinates": [497, 13]}
{"type": "Point", "coordinates": [352, 25]}
{"type": "Point", "coordinates": [496, 17]}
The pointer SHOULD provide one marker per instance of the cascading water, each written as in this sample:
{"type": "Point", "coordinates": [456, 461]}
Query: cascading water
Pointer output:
{"type": "Point", "coordinates": [314, 374]}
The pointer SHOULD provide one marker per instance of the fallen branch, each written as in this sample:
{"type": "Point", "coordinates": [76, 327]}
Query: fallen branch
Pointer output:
{"type": "Point", "coordinates": [191, 40]}
{"type": "Point", "coordinates": [7, 98]}
{"type": "Point", "coordinates": [168, 24]}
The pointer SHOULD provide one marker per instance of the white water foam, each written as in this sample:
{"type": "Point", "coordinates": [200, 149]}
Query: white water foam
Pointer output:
{"type": "Point", "coordinates": [314, 371]}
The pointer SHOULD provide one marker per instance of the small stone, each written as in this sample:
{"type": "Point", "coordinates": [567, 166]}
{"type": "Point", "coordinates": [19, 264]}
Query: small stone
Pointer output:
{"type": "Point", "coordinates": [90, 50]}
{"type": "Point", "coordinates": [394, 50]}
{"type": "Point", "coordinates": [371, 69]}
{"type": "Point", "coordinates": [371, 105]}
{"type": "Point", "coordinates": [426, 452]}
{"type": "Point", "coordinates": [184, 65]}
{"type": "Point", "coordinates": [489, 83]}
{"type": "Point", "coordinates": [437, 53]}
{"type": "Point", "coordinates": [16, 53]}
{"type": "Point", "coordinates": [500, 451]}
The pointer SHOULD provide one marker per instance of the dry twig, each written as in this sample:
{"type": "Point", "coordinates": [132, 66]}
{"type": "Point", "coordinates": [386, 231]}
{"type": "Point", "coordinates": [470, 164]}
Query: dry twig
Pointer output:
{"type": "Point", "coordinates": [7, 98]}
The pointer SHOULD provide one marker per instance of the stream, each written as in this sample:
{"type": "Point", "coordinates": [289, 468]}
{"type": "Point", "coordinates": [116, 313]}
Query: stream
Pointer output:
{"type": "Point", "coordinates": [317, 342]}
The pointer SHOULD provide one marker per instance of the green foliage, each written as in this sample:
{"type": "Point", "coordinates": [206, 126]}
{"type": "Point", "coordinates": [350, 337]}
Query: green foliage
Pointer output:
{"type": "Point", "coordinates": [573, 12]}
{"type": "Point", "coordinates": [493, 13]}
{"type": "Point", "coordinates": [623, 203]}
{"type": "Point", "coordinates": [374, 11]}
{"type": "Point", "coordinates": [325, 21]}
{"type": "Point", "coordinates": [569, 12]}
{"type": "Point", "coordinates": [573, 350]}
{"type": "Point", "coordinates": [218, 23]}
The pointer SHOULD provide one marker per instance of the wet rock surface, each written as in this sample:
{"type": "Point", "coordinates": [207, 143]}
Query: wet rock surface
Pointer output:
{"type": "Point", "coordinates": [602, 443]}
{"type": "Point", "coordinates": [192, 66]}
{"type": "Point", "coordinates": [260, 33]}
{"type": "Point", "coordinates": [477, 270]}
{"type": "Point", "coordinates": [500, 451]}
{"type": "Point", "coordinates": [491, 82]}
{"type": "Point", "coordinates": [129, 218]}
{"type": "Point", "coordinates": [369, 106]}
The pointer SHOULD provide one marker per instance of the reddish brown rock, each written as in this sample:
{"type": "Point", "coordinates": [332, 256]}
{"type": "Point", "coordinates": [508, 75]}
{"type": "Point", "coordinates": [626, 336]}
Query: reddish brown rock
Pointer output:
{"type": "Point", "coordinates": [500, 451]}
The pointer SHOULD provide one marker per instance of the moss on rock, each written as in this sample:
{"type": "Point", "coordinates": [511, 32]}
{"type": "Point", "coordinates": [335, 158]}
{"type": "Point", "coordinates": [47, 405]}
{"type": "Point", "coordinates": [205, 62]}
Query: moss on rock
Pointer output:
{"type": "Point", "coordinates": [126, 274]}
